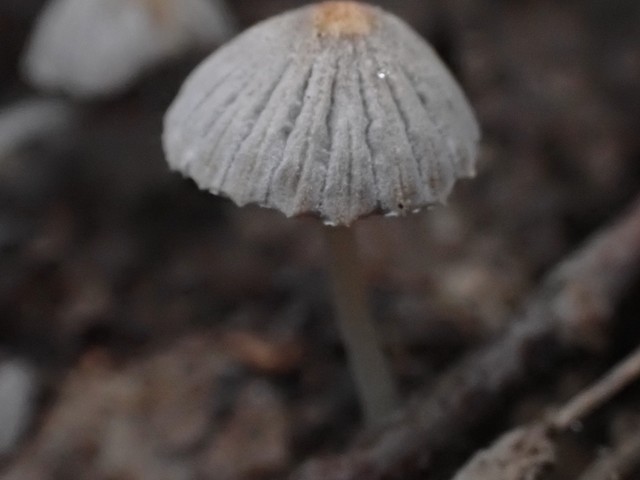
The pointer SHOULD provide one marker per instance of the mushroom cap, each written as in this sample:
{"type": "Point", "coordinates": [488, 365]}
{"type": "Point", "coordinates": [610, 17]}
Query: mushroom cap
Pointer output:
{"type": "Point", "coordinates": [32, 119]}
{"type": "Point", "coordinates": [337, 110]}
{"type": "Point", "coordinates": [90, 48]}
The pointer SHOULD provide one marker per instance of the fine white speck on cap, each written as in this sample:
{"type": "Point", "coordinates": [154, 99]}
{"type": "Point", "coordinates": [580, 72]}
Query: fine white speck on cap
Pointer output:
{"type": "Point", "coordinates": [337, 110]}
{"type": "Point", "coordinates": [92, 48]}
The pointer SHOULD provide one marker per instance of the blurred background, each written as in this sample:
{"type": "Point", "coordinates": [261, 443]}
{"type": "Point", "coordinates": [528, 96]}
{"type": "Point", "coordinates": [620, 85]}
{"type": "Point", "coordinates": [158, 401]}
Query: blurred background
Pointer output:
{"type": "Point", "coordinates": [152, 331]}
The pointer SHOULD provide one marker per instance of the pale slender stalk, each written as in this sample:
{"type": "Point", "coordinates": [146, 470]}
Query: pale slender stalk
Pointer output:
{"type": "Point", "coordinates": [371, 372]}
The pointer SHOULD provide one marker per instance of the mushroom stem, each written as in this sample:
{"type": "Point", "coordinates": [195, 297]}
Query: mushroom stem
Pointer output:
{"type": "Point", "coordinates": [375, 385]}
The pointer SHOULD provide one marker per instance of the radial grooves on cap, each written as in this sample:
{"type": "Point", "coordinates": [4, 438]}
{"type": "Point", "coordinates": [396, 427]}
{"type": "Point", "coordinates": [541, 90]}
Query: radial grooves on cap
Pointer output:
{"type": "Point", "coordinates": [432, 79]}
{"type": "Point", "coordinates": [208, 169]}
{"type": "Point", "coordinates": [393, 153]}
{"type": "Point", "coordinates": [383, 171]}
{"type": "Point", "coordinates": [286, 172]}
{"type": "Point", "coordinates": [393, 105]}
{"type": "Point", "coordinates": [348, 190]}
{"type": "Point", "coordinates": [192, 120]}
{"type": "Point", "coordinates": [443, 169]}
{"type": "Point", "coordinates": [366, 141]}
{"type": "Point", "coordinates": [448, 106]}
{"type": "Point", "coordinates": [277, 122]}
{"type": "Point", "coordinates": [245, 121]}
{"type": "Point", "coordinates": [430, 145]}
{"type": "Point", "coordinates": [330, 131]}
{"type": "Point", "coordinates": [269, 137]}
{"type": "Point", "coordinates": [215, 132]}
{"type": "Point", "coordinates": [260, 109]}
{"type": "Point", "coordinates": [315, 138]}
{"type": "Point", "coordinates": [292, 119]}
{"type": "Point", "coordinates": [402, 115]}
{"type": "Point", "coordinates": [207, 90]}
{"type": "Point", "coordinates": [343, 19]}
{"type": "Point", "coordinates": [189, 121]}
{"type": "Point", "coordinates": [446, 126]}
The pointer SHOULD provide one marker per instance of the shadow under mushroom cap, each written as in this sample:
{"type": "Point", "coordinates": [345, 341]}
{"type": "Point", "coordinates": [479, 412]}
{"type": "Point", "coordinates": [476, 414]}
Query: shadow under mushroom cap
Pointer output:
{"type": "Point", "coordinates": [337, 110]}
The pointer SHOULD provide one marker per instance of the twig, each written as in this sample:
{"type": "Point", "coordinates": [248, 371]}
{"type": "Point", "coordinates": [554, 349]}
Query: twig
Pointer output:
{"type": "Point", "coordinates": [575, 301]}
{"type": "Point", "coordinates": [618, 464]}
{"type": "Point", "coordinates": [526, 452]}
{"type": "Point", "coordinates": [590, 399]}
{"type": "Point", "coordinates": [522, 453]}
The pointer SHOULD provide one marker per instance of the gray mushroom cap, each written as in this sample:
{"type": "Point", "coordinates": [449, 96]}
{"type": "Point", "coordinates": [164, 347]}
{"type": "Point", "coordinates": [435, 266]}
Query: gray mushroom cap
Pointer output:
{"type": "Point", "coordinates": [32, 119]}
{"type": "Point", "coordinates": [92, 48]}
{"type": "Point", "coordinates": [337, 109]}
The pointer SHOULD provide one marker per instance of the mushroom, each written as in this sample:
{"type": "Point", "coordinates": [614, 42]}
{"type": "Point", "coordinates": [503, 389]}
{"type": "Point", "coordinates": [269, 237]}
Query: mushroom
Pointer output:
{"type": "Point", "coordinates": [31, 119]}
{"type": "Point", "coordinates": [337, 110]}
{"type": "Point", "coordinates": [93, 48]}
{"type": "Point", "coordinates": [18, 387]}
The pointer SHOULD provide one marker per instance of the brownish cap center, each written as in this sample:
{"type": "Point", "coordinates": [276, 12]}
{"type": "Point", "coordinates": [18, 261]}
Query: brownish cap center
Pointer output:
{"type": "Point", "coordinates": [159, 10]}
{"type": "Point", "coordinates": [343, 19]}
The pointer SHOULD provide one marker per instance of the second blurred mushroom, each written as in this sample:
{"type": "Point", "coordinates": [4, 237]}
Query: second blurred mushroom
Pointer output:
{"type": "Point", "coordinates": [337, 110]}
{"type": "Point", "coordinates": [97, 48]}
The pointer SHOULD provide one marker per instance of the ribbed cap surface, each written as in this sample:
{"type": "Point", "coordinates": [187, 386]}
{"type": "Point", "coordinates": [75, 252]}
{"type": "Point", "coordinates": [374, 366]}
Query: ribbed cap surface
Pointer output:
{"type": "Point", "coordinates": [337, 110]}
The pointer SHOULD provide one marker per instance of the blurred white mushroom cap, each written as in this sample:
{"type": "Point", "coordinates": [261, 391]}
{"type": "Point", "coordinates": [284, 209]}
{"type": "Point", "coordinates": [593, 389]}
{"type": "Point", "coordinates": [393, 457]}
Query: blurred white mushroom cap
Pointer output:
{"type": "Point", "coordinates": [337, 110]}
{"type": "Point", "coordinates": [90, 48]}
{"type": "Point", "coordinates": [32, 119]}
{"type": "Point", "coordinates": [18, 382]}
